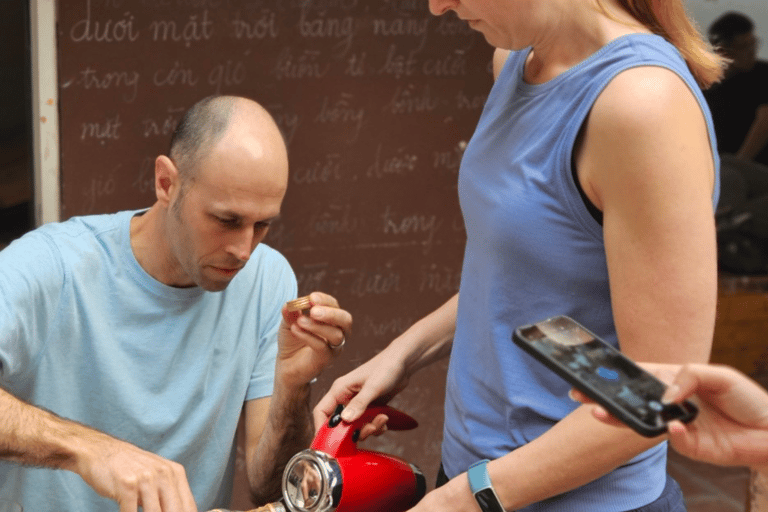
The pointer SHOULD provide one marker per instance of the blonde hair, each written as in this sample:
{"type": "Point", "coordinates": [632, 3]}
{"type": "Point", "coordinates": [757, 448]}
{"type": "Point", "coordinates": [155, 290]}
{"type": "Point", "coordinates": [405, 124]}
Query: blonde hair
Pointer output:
{"type": "Point", "coordinates": [670, 20]}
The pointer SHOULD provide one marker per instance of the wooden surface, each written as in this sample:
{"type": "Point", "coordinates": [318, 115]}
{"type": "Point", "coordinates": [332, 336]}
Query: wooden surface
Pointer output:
{"type": "Point", "coordinates": [741, 327]}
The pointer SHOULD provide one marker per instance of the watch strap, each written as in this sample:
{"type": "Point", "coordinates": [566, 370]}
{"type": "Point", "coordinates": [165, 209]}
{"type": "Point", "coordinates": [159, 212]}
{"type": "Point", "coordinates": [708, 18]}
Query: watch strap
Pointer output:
{"type": "Point", "coordinates": [482, 487]}
{"type": "Point", "coordinates": [478, 476]}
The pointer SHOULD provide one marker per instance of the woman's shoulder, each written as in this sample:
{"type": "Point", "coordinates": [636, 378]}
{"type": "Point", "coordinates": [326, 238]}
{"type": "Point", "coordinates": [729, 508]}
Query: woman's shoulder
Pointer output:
{"type": "Point", "coordinates": [644, 98]}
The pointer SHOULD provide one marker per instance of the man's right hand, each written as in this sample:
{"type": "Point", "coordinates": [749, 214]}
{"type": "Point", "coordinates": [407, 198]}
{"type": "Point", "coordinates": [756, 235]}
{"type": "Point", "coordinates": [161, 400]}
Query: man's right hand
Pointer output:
{"type": "Point", "coordinates": [133, 477]}
{"type": "Point", "coordinates": [113, 468]}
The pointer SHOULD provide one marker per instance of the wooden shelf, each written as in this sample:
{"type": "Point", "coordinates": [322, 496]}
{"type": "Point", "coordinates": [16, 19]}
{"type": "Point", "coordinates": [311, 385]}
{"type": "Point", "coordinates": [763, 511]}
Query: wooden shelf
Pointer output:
{"type": "Point", "coordinates": [741, 326]}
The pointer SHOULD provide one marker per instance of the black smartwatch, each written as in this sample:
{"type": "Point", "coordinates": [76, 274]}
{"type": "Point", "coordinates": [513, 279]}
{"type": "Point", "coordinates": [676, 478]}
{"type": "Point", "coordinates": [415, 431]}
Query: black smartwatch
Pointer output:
{"type": "Point", "coordinates": [482, 488]}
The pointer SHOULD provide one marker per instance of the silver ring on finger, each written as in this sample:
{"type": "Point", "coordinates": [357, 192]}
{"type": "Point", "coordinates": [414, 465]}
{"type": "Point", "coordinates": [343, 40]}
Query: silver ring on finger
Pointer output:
{"type": "Point", "coordinates": [339, 346]}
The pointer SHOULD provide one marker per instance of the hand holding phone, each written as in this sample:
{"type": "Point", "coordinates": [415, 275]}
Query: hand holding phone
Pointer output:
{"type": "Point", "coordinates": [603, 373]}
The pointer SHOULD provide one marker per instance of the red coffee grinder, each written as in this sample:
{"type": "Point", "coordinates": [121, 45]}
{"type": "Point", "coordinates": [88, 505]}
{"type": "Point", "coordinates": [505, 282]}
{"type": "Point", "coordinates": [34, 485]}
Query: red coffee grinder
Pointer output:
{"type": "Point", "coordinates": [334, 476]}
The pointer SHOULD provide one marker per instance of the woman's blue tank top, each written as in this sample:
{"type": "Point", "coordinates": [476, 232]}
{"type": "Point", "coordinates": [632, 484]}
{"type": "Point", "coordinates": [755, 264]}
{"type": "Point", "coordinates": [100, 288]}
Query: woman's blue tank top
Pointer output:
{"type": "Point", "coordinates": [534, 251]}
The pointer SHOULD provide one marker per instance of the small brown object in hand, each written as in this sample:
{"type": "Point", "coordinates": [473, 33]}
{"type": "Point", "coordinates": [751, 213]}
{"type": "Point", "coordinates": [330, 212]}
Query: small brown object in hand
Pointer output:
{"type": "Point", "coordinates": [302, 304]}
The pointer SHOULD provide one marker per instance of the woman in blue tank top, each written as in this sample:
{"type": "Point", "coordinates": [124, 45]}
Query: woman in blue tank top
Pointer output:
{"type": "Point", "coordinates": [588, 189]}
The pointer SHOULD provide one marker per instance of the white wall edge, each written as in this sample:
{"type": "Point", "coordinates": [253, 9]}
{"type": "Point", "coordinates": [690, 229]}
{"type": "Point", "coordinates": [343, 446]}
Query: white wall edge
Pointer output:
{"type": "Point", "coordinates": [45, 111]}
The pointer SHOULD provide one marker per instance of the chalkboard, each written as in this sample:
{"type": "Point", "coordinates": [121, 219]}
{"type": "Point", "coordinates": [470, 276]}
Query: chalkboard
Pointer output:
{"type": "Point", "coordinates": [376, 101]}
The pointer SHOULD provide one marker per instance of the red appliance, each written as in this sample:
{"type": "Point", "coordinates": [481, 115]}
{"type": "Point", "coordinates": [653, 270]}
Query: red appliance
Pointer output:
{"type": "Point", "coordinates": [333, 475]}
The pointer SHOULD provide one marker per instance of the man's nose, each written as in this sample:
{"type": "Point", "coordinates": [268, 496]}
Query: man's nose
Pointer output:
{"type": "Point", "coordinates": [243, 244]}
{"type": "Point", "coordinates": [246, 241]}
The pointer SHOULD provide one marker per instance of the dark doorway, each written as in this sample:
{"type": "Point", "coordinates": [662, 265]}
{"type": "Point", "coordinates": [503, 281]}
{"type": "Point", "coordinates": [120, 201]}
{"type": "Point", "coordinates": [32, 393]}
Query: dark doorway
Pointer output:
{"type": "Point", "coordinates": [16, 197]}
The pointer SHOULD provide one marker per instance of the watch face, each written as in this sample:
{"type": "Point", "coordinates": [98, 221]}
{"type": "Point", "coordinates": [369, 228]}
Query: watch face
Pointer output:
{"type": "Point", "coordinates": [488, 501]}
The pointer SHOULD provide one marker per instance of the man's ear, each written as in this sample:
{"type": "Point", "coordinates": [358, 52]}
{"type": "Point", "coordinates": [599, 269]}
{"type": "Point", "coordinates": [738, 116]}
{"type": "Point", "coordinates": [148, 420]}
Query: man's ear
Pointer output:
{"type": "Point", "coordinates": [166, 179]}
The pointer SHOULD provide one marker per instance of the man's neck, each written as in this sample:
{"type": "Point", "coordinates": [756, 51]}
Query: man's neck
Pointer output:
{"type": "Point", "coordinates": [149, 243]}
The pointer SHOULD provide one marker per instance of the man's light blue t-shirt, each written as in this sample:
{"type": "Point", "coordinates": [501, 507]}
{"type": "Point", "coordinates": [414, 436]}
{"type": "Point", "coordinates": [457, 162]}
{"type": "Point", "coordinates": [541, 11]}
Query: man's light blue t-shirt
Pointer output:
{"type": "Point", "coordinates": [86, 333]}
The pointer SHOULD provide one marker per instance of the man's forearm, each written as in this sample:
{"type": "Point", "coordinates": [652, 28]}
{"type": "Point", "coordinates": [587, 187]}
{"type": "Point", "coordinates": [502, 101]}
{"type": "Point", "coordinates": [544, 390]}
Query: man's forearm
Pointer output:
{"type": "Point", "coordinates": [33, 436]}
{"type": "Point", "coordinates": [113, 468]}
{"type": "Point", "coordinates": [287, 431]}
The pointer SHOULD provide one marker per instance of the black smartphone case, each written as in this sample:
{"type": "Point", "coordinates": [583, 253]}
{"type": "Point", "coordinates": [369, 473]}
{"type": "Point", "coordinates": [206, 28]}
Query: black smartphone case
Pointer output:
{"type": "Point", "coordinates": [607, 376]}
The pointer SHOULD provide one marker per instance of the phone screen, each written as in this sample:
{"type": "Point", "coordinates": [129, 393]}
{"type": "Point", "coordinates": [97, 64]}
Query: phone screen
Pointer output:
{"type": "Point", "coordinates": [602, 372]}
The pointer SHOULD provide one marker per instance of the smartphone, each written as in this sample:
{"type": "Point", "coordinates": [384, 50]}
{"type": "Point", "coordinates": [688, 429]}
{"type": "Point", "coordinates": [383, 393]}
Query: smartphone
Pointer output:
{"type": "Point", "coordinates": [602, 373]}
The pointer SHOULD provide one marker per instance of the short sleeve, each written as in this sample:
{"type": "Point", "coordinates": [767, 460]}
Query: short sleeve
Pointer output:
{"type": "Point", "coordinates": [278, 285]}
{"type": "Point", "coordinates": [31, 280]}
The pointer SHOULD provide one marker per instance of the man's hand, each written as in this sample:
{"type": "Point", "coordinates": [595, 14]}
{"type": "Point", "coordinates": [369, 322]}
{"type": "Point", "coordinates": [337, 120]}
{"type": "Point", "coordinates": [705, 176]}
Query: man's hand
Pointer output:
{"type": "Point", "coordinates": [279, 426]}
{"type": "Point", "coordinates": [113, 468]}
{"type": "Point", "coordinates": [308, 343]}
{"type": "Point", "coordinates": [133, 477]}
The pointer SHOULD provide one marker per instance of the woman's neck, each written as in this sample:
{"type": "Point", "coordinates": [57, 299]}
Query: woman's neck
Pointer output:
{"type": "Point", "coordinates": [579, 31]}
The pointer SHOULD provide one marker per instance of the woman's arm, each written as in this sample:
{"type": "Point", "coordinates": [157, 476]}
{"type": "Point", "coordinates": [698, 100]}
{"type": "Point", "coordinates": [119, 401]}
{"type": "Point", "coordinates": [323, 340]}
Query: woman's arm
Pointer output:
{"type": "Point", "coordinates": [647, 163]}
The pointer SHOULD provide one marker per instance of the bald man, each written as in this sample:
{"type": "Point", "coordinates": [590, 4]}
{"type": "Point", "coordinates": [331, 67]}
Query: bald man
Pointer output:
{"type": "Point", "coordinates": [132, 343]}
